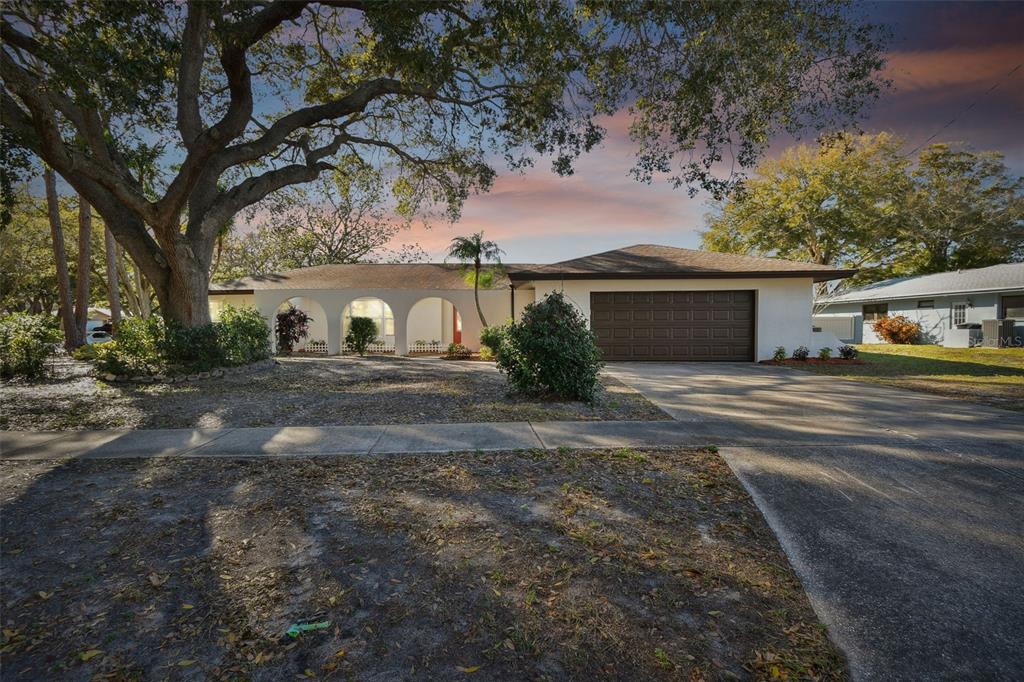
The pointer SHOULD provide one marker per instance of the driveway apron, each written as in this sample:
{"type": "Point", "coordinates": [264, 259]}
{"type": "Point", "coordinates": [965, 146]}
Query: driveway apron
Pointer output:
{"type": "Point", "coordinates": [903, 513]}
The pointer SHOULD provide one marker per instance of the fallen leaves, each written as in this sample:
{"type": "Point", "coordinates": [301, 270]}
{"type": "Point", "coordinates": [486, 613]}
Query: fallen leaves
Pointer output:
{"type": "Point", "coordinates": [468, 670]}
{"type": "Point", "coordinates": [157, 580]}
{"type": "Point", "coordinates": [87, 656]}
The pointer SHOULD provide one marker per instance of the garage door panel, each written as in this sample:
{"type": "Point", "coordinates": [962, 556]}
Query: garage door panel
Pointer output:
{"type": "Point", "coordinates": [674, 325]}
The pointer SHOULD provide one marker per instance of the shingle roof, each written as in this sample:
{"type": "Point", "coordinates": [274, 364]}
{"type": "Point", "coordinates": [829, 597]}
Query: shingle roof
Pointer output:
{"type": "Point", "coordinates": [1009, 276]}
{"type": "Point", "coordinates": [651, 261]}
{"type": "Point", "coordinates": [359, 276]}
{"type": "Point", "coordinates": [643, 261]}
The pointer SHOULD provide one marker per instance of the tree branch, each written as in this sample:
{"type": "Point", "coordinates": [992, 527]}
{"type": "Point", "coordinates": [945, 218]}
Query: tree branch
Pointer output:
{"type": "Point", "coordinates": [190, 69]}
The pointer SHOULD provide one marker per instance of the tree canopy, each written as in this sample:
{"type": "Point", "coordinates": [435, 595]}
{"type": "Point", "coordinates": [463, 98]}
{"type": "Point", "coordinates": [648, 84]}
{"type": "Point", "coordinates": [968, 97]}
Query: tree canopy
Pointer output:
{"type": "Point", "coordinates": [170, 118]}
{"type": "Point", "coordinates": [858, 202]}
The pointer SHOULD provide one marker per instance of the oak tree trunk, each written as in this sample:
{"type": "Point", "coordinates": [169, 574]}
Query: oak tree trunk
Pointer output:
{"type": "Point", "coordinates": [67, 316]}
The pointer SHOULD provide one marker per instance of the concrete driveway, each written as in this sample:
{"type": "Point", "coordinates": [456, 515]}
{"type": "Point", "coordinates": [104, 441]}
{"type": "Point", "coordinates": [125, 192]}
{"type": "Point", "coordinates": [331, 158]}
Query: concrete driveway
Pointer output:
{"type": "Point", "coordinates": [902, 513]}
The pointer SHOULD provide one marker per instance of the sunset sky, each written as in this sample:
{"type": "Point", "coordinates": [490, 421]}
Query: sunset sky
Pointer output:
{"type": "Point", "coordinates": [943, 57]}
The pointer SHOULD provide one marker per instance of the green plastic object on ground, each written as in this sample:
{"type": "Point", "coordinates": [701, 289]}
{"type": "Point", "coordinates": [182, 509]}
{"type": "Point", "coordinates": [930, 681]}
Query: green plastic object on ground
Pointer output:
{"type": "Point", "coordinates": [297, 629]}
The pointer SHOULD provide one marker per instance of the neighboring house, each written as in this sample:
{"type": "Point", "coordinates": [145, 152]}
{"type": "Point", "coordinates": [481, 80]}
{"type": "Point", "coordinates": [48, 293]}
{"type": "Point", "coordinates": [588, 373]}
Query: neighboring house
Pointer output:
{"type": "Point", "coordinates": [949, 306]}
{"type": "Point", "coordinates": [643, 302]}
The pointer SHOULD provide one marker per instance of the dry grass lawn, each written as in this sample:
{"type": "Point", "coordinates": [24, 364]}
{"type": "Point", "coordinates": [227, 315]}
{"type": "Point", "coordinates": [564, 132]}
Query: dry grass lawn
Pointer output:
{"type": "Point", "coordinates": [994, 376]}
{"type": "Point", "coordinates": [302, 392]}
{"type": "Point", "coordinates": [627, 565]}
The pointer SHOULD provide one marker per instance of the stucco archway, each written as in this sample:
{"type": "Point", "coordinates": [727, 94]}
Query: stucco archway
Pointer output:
{"type": "Point", "coordinates": [432, 323]}
{"type": "Point", "coordinates": [378, 310]}
{"type": "Point", "coordinates": [316, 339]}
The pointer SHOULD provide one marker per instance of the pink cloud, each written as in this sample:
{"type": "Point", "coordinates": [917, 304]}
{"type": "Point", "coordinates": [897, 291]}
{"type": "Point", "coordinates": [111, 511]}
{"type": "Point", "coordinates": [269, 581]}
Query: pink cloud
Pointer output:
{"type": "Point", "coordinates": [943, 70]}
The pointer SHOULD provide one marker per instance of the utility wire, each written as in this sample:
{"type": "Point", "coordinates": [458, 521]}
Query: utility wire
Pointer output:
{"type": "Point", "coordinates": [969, 107]}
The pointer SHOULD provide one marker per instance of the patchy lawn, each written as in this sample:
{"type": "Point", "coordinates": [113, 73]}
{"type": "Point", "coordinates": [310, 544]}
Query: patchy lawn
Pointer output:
{"type": "Point", "coordinates": [526, 565]}
{"type": "Point", "coordinates": [302, 392]}
{"type": "Point", "coordinates": [994, 376]}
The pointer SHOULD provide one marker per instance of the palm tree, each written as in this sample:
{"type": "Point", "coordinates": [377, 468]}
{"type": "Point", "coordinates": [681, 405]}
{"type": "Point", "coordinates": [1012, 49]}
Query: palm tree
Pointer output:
{"type": "Point", "coordinates": [477, 250]}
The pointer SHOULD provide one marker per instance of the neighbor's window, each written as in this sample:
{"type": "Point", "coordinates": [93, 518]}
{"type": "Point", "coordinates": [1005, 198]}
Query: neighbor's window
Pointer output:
{"type": "Point", "coordinates": [875, 311]}
{"type": "Point", "coordinates": [926, 304]}
{"type": "Point", "coordinates": [958, 314]}
{"type": "Point", "coordinates": [1013, 307]}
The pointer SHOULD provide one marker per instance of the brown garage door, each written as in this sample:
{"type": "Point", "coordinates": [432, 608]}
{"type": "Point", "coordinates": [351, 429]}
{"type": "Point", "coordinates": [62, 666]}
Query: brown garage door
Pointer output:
{"type": "Point", "coordinates": [694, 326]}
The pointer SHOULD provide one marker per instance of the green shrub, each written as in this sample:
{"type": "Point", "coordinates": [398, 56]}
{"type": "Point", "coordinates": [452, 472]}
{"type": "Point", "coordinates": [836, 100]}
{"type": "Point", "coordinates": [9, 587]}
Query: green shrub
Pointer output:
{"type": "Point", "coordinates": [191, 349]}
{"type": "Point", "coordinates": [492, 337]}
{"type": "Point", "coordinates": [780, 354]}
{"type": "Point", "coordinates": [362, 331]}
{"type": "Point", "coordinates": [243, 335]}
{"type": "Point", "coordinates": [86, 353]}
{"type": "Point", "coordinates": [825, 354]}
{"type": "Point", "coordinates": [801, 353]}
{"type": "Point", "coordinates": [150, 346]}
{"type": "Point", "coordinates": [456, 351]}
{"type": "Point", "coordinates": [551, 351]}
{"type": "Point", "coordinates": [138, 348]}
{"type": "Point", "coordinates": [111, 359]}
{"type": "Point", "coordinates": [486, 353]}
{"type": "Point", "coordinates": [26, 343]}
{"type": "Point", "coordinates": [847, 352]}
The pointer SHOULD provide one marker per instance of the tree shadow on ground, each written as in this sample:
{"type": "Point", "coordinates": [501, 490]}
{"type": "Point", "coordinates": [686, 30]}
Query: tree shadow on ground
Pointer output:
{"type": "Point", "coordinates": [619, 565]}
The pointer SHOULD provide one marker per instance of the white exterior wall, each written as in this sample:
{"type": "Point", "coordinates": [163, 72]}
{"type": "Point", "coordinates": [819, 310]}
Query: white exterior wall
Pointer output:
{"type": "Point", "coordinates": [495, 304]}
{"type": "Point", "coordinates": [935, 322]}
{"type": "Point", "coordinates": [783, 308]}
{"type": "Point", "coordinates": [218, 301]}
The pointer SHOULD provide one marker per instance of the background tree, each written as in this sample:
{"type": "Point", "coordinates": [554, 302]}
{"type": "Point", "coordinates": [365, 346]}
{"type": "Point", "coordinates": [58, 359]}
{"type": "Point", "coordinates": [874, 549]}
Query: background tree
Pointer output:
{"type": "Point", "coordinates": [28, 278]}
{"type": "Point", "coordinates": [859, 203]}
{"type": "Point", "coordinates": [476, 250]}
{"type": "Point", "coordinates": [966, 210]}
{"type": "Point", "coordinates": [66, 310]}
{"type": "Point", "coordinates": [83, 276]}
{"type": "Point", "coordinates": [840, 204]}
{"type": "Point", "coordinates": [341, 218]}
{"type": "Point", "coordinates": [113, 279]}
{"type": "Point", "coordinates": [249, 98]}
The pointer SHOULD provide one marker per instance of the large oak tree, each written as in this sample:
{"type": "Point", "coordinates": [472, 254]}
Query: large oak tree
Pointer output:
{"type": "Point", "coordinates": [243, 99]}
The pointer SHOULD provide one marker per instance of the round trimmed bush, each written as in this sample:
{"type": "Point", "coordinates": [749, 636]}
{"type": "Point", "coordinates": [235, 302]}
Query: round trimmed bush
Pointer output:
{"type": "Point", "coordinates": [551, 351]}
{"type": "Point", "coordinates": [362, 331]}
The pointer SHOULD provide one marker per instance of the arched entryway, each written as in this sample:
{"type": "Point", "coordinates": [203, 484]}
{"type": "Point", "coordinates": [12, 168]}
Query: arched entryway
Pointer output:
{"type": "Point", "coordinates": [380, 312]}
{"type": "Point", "coordinates": [315, 340]}
{"type": "Point", "coordinates": [432, 324]}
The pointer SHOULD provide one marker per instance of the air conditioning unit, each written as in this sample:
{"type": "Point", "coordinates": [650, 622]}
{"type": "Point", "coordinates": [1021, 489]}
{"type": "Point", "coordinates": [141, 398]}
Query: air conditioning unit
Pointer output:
{"type": "Point", "coordinates": [996, 333]}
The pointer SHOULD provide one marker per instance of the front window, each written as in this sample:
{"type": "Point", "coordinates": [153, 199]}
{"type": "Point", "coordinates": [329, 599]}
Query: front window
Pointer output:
{"type": "Point", "coordinates": [375, 309]}
{"type": "Point", "coordinates": [958, 315]}
{"type": "Point", "coordinates": [875, 311]}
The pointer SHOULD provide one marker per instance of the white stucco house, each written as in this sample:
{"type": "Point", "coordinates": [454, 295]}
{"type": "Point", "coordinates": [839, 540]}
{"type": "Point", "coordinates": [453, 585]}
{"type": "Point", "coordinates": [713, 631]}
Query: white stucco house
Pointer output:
{"type": "Point", "coordinates": [950, 306]}
{"type": "Point", "coordinates": [644, 302]}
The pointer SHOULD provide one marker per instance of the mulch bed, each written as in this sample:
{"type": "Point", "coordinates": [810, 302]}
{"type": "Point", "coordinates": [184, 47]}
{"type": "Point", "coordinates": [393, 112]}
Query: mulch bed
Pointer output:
{"type": "Point", "coordinates": [813, 361]}
{"type": "Point", "coordinates": [622, 564]}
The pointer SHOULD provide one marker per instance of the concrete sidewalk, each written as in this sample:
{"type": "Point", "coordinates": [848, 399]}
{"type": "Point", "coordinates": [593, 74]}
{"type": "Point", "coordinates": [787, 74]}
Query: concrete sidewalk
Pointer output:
{"type": "Point", "coordinates": [286, 441]}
